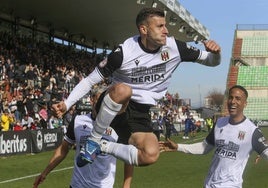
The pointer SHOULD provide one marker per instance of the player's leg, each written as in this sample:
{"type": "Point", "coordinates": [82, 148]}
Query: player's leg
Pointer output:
{"type": "Point", "coordinates": [112, 103]}
{"type": "Point", "coordinates": [128, 175]}
{"type": "Point", "coordinates": [142, 149]}
{"type": "Point", "coordinates": [143, 145]}
{"type": "Point", "coordinates": [147, 145]}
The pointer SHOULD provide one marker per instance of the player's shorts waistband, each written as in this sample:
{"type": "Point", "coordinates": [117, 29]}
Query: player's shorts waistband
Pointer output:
{"type": "Point", "coordinates": [139, 107]}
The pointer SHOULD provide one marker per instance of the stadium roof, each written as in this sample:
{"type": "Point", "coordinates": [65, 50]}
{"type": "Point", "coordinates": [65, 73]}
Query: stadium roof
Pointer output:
{"type": "Point", "coordinates": [106, 21]}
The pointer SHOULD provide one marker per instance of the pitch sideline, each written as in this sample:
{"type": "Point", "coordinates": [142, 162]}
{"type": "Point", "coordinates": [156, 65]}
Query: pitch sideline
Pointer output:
{"type": "Point", "coordinates": [33, 175]}
{"type": "Point", "coordinates": [67, 168]}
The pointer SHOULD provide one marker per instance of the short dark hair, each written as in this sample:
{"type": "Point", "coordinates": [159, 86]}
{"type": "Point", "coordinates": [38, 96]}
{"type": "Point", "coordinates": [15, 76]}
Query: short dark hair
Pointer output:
{"type": "Point", "coordinates": [241, 88]}
{"type": "Point", "coordinates": [145, 13]}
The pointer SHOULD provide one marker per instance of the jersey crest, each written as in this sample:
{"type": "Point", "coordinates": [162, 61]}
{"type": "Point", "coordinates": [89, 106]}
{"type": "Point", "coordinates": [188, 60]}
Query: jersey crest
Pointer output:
{"type": "Point", "coordinates": [108, 131]}
{"type": "Point", "coordinates": [165, 56]}
{"type": "Point", "coordinates": [241, 135]}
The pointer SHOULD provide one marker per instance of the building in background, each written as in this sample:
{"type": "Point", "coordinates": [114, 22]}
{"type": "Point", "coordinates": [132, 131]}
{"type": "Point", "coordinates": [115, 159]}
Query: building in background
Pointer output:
{"type": "Point", "coordinates": [249, 68]}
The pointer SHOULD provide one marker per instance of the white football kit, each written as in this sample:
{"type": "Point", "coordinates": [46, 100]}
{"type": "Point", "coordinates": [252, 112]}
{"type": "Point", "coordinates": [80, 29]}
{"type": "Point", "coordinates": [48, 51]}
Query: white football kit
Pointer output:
{"type": "Point", "coordinates": [99, 174]}
{"type": "Point", "coordinates": [233, 146]}
{"type": "Point", "coordinates": [147, 72]}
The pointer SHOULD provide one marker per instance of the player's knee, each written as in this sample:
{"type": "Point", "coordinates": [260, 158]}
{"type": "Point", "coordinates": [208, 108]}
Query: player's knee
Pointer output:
{"type": "Point", "coordinates": [153, 158]}
{"type": "Point", "coordinates": [150, 156]}
{"type": "Point", "coordinates": [121, 92]}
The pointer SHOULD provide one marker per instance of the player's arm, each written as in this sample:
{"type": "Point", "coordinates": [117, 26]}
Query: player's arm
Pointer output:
{"type": "Point", "coordinates": [59, 154]}
{"type": "Point", "coordinates": [209, 57]}
{"type": "Point", "coordinates": [196, 148]}
{"type": "Point", "coordinates": [83, 87]}
{"type": "Point", "coordinates": [103, 70]}
{"type": "Point", "coordinates": [260, 144]}
{"type": "Point", "coordinates": [128, 174]}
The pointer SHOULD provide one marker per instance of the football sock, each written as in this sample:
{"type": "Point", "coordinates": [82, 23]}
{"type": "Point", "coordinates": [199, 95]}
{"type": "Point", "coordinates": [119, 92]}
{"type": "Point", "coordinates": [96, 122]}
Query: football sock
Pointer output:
{"type": "Point", "coordinates": [108, 110]}
{"type": "Point", "coordinates": [126, 153]}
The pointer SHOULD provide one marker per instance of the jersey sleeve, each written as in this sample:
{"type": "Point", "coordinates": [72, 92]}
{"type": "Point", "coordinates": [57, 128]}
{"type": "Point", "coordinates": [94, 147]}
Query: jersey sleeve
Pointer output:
{"type": "Point", "coordinates": [188, 53]}
{"type": "Point", "coordinates": [211, 137]}
{"type": "Point", "coordinates": [113, 62]}
{"type": "Point", "coordinates": [196, 148]}
{"type": "Point", "coordinates": [259, 141]}
{"type": "Point", "coordinates": [69, 136]}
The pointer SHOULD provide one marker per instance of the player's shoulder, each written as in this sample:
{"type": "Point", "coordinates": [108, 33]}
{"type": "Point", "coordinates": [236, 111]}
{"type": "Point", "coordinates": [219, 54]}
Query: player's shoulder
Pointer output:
{"type": "Point", "coordinates": [130, 43]}
{"type": "Point", "coordinates": [222, 121]}
{"type": "Point", "coordinates": [83, 119]}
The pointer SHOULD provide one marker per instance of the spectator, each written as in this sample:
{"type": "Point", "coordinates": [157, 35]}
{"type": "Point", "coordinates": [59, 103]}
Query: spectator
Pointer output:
{"type": "Point", "coordinates": [192, 127]}
{"type": "Point", "coordinates": [209, 123]}
{"type": "Point", "coordinates": [5, 103]}
{"type": "Point", "coordinates": [47, 95]}
{"type": "Point", "coordinates": [188, 124]}
{"type": "Point", "coordinates": [198, 125]}
{"type": "Point", "coordinates": [6, 120]}
{"type": "Point", "coordinates": [45, 80]}
{"type": "Point", "coordinates": [53, 122]}
{"type": "Point", "coordinates": [156, 126]}
{"type": "Point", "coordinates": [21, 107]}
{"type": "Point", "coordinates": [168, 124]}
{"type": "Point", "coordinates": [30, 76]}
{"type": "Point", "coordinates": [29, 103]}
{"type": "Point", "coordinates": [35, 124]}
{"type": "Point", "coordinates": [27, 121]}
{"type": "Point", "coordinates": [43, 114]}
{"type": "Point", "coordinates": [13, 107]}
{"type": "Point", "coordinates": [42, 123]}
{"type": "Point", "coordinates": [18, 126]}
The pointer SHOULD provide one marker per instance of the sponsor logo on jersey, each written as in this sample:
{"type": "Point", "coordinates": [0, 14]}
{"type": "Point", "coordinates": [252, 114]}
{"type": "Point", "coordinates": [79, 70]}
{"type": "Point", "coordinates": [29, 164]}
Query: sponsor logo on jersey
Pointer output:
{"type": "Point", "coordinates": [148, 74]}
{"type": "Point", "coordinates": [226, 150]}
{"type": "Point", "coordinates": [137, 62]}
{"type": "Point", "coordinates": [191, 47]}
{"type": "Point", "coordinates": [225, 153]}
{"type": "Point", "coordinates": [262, 140]}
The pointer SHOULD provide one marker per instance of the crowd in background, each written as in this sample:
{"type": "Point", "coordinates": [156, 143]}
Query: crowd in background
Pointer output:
{"type": "Point", "coordinates": [36, 74]}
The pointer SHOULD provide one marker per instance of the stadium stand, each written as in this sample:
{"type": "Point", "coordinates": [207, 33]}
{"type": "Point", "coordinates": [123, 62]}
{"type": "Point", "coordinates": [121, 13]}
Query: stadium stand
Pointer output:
{"type": "Point", "coordinates": [249, 68]}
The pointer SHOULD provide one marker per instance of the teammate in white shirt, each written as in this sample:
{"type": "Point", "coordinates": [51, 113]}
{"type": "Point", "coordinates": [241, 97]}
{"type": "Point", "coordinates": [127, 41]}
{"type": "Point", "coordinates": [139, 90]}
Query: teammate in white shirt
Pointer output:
{"type": "Point", "coordinates": [101, 174]}
{"type": "Point", "coordinates": [234, 137]}
{"type": "Point", "coordinates": [140, 70]}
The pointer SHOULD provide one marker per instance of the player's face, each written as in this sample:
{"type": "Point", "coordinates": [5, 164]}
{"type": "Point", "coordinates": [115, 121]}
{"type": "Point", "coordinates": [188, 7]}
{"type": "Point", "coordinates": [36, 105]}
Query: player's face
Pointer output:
{"type": "Point", "coordinates": [237, 101]}
{"type": "Point", "coordinates": [156, 32]}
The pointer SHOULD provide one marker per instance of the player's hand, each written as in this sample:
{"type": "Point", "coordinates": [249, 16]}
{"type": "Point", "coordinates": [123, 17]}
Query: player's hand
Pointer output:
{"type": "Point", "coordinates": [59, 109]}
{"type": "Point", "coordinates": [39, 179]}
{"type": "Point", "coordinates": [258, 158]}
{"type": "Point", "coordinates": [212, 46]}
{"type": "Point", "coordinates": [169, 145]}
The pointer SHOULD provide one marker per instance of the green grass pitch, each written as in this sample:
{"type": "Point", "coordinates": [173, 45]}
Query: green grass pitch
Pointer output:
{"type": "Point", "coordinates": [172, 170]}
